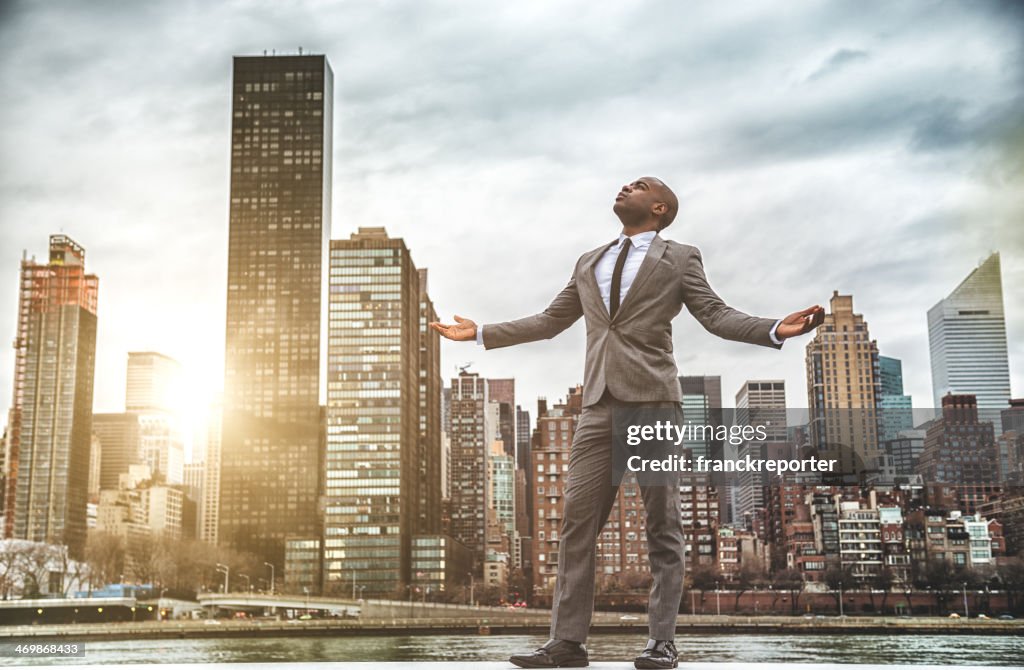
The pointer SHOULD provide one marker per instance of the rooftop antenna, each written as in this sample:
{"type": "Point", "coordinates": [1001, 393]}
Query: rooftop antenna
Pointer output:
{"type": "Point", "coordinates": [463, 368]}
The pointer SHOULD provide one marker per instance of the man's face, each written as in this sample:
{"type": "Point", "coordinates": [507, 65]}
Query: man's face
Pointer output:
{"type": "Point", "coordinates": [638, 200]}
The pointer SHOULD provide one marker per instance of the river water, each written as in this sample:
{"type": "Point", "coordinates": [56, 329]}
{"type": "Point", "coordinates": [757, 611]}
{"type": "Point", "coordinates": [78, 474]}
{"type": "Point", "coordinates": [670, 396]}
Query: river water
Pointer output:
{"type": "Point", "coordinates": [861, 649]}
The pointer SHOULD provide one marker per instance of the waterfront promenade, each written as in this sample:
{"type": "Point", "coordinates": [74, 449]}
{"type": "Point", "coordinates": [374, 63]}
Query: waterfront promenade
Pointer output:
{"type": "Point", "coordinates": [500, 665]}
{"type": "Point", "coordinates": [524, 622]}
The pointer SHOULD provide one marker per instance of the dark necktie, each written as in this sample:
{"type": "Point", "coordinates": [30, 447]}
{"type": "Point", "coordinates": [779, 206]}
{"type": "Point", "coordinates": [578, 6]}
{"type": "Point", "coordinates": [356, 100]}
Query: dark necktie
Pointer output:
{"type": "Point", "coordinates": [613, 299]}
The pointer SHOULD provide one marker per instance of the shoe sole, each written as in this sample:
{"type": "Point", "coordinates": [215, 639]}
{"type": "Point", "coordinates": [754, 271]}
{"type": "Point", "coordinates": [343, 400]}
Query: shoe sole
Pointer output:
{"type": "Point", "coordinates": [653, 665]}
{"type": "Point", "coordinates": [569, 664]}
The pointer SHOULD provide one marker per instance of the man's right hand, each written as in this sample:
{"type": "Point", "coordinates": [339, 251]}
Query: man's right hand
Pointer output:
{"type": "Point", "coordinates": [461, 331]}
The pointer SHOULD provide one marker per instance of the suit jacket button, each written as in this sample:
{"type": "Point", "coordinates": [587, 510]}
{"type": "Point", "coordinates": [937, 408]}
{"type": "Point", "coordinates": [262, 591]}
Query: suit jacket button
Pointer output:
{"type": "Point", "coordinates": [613, 326]}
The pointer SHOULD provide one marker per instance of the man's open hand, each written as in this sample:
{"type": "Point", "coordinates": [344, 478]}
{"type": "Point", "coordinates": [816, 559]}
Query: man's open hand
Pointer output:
{"type": "Point", "coordinates": [800, 322]}
{"type": "Point", "coordinates": [462, 330]}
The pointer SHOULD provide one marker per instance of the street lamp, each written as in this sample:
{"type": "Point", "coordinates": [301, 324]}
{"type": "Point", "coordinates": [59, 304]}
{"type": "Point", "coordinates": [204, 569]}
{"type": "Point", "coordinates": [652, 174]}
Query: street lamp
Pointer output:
{"type": "Point", "coordinates": [966, 614]}
{"type": "Point", "coordinates": [271, 566]}
{"type": "Point", "coordinates": [248, 582]}
{"type": "Point", "coordinates": [226, 570]}
{"type": "Point", "coordinates": [718, 598]}
{"type": "Point", "coordinates": [841, 614]}
{"type": "Point", "coordinates": [471, 599]}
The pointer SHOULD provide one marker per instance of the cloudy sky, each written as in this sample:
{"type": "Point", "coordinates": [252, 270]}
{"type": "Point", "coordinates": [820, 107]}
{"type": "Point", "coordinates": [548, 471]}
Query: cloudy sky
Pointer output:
{"type": "Point", "coordinates": [816, 146]}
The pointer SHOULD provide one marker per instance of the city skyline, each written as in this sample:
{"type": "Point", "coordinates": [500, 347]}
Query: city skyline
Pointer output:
{"type": "Point", "coordinates": [147, 193]}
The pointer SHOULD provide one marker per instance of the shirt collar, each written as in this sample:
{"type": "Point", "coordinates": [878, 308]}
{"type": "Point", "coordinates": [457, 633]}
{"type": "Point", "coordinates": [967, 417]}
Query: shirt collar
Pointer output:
{"type": "Point", "coordinates": [640, 240]}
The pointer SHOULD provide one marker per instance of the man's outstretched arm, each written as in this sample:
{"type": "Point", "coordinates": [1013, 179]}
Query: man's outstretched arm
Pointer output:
{"type": "Point", "coordinates": [563, 311]}
{"type": "Point", "coordinates": [731, 324]}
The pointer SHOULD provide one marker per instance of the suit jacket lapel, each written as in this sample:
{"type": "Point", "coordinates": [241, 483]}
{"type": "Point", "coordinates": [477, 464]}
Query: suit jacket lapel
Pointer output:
{"type": "Point", "coordinates": [590, 278]}
{"type": "Point", "coordinates": [654, 254]}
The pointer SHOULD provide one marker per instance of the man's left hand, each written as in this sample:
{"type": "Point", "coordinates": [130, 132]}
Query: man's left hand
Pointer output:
{"type": "Point", "coordinates": [800, 322]}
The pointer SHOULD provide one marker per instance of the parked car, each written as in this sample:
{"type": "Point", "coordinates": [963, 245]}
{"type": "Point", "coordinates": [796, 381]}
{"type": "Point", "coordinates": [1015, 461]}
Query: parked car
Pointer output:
{"type": "Point", "coordinates": [1006, 617]}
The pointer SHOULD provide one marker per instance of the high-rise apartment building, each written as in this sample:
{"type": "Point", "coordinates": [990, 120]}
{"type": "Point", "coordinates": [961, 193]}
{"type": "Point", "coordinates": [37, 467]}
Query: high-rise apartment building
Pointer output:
{"type": "Point", "coordinates": [960, 448]}
{"type": "Point", "coordinates": [430, 448]}
{"type": "Point", "coordinates": [471, 437]}
{"type": "Point", "coordinates": [524, 501]}
{"type": "Point", "coordinates": [382, 477]}
{"type": "Point", "coordinates": [503, 392]}
{"type": "Point", "coordinates": [501, 479]}
{"type": "Point", "coordinates": [446, 448]}
{"type": "Point", "coordinates": [843, 387]}
{"type": "Point", "coordinates": [1013, 416]}
{"type": "Point", "coordinates": [280, 204]}
{"type": "Point", "coordinates": [967, 342]}
{"type": "Point", "coordinates": [50, 425]}
{"type": "Point", "coordinates": [549, 467]}
{"type": "Point", "coordinates": [759, 402]}
{"type": "Point", "coordinates": [762, 402]}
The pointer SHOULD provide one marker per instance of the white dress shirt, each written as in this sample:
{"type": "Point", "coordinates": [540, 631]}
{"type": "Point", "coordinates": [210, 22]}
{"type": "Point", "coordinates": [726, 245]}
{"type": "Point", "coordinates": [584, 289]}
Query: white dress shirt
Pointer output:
{"type": "Point", "coordinates": [605, 267]}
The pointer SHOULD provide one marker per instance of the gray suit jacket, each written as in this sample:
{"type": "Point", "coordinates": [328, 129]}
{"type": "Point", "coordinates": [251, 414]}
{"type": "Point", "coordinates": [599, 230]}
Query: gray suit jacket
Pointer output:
{"type": "Point", "coordinates": [631, 355]}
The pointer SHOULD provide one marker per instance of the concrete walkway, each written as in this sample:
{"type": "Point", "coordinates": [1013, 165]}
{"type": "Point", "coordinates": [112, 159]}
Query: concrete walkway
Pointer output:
{"type": "Point", "coordinates": [600, 665]}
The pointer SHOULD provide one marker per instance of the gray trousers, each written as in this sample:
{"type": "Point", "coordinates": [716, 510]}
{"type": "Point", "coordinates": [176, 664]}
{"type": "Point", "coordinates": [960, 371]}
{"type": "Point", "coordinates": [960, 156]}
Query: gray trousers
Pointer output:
{"type": "Point", "coordinates": [589, 495]}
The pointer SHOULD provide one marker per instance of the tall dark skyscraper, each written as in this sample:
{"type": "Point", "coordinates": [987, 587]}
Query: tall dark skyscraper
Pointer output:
{"type": "Point", "coordinates": [50, 434]}
{"type": "Point", "coordinates": [280, 214]}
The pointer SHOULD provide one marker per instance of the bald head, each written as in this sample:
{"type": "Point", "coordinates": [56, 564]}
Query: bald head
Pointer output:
{"type": "Point", "coordinates": [646, 204]}
{"type": "Point", "coordinates": [667, 197]}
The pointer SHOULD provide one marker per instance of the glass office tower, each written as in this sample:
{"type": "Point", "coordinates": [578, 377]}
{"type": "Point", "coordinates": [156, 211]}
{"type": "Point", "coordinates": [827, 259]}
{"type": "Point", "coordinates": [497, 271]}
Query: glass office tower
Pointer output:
{"type": "Point", "coordinates": [281, 129]}
{"type": "Point", "coordinates": [382, 465]}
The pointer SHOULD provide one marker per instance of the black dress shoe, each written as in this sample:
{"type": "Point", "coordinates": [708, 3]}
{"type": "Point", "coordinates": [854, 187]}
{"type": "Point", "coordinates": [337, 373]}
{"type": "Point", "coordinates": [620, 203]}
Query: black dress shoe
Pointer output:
{"type": "Point", "coordinates": [658, 654]}
{"type": "Point", "coordinates": [554, 654]}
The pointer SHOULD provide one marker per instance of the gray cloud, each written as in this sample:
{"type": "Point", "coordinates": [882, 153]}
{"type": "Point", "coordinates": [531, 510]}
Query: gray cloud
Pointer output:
{"type": "Point", "coordinates": [838, 61]}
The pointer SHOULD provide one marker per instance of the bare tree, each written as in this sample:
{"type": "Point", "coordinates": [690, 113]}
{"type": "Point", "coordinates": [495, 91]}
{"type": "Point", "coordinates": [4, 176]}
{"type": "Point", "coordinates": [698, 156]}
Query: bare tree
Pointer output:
{"type": "Point", "coordinates": [749, 576]}
{"type": "Point", "coordinates": [144, 557]}
{"type": "Point", "coordinates": [12, 556]}
{"type": "Point", "coordinates": [105, 554]}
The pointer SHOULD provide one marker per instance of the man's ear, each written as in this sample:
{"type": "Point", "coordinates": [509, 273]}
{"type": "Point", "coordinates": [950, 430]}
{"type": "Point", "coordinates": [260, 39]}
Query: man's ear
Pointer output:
{"type": "Point", "coordinates": [659, 208]}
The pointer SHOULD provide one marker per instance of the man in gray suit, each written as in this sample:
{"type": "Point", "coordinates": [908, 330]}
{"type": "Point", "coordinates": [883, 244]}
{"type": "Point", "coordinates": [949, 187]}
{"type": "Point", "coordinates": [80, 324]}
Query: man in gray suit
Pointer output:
{"type": "Point", "coordinates": [628, 292]}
